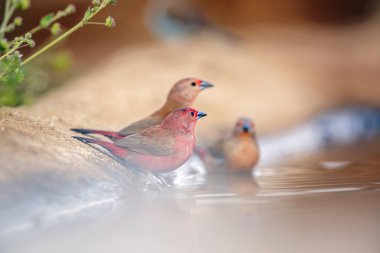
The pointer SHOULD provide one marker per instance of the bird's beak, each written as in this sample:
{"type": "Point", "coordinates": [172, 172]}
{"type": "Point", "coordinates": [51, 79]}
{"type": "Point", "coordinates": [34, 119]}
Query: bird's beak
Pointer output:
{"type": "Point", "coordinates": [246, 128]}
{"type": "Point", "coordinates": [201, 115]}
{"type": "Point", "coordinates": [205, 85]}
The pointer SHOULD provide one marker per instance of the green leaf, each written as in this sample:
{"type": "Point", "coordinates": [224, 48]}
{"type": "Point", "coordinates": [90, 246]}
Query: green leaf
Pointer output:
{"type": "Point", "coordinates": [11, 77]}
{"type": "Point", "coordinates": [87, 14]}
{"type": "Point", "coordinates": [46, 20]}
{"type": "Point", "coordinates": [10, 70]}
{"type": "Point", "coordinates": [23, 4]}
{"type": "Point", "coordinates": [4, 45]}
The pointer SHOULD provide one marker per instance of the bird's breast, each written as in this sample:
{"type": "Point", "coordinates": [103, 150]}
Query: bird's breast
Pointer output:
{"type": "Point", "coordinates": [184, 146]}
{"type": "Point", "coordinates": [241, 154]}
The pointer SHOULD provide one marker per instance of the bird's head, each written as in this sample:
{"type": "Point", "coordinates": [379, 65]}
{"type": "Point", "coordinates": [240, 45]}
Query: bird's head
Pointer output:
{"type": "Point", "coordinates": [186, 90]}
{"type": "Point", "coordinates": [183, 120]}
{"type": "Point", "coordinates": [244, 126]}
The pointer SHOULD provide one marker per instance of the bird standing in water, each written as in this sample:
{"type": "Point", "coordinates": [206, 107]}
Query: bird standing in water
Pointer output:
{"type": "Point", "coordinates": [160, 148]}
{"type": "Point", "coordinates": [181, 95]}
{"type": "Point", "coordinates": [240, 151]}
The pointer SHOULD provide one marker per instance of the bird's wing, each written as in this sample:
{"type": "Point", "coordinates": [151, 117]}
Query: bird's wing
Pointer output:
{"type": "Point", "coordinates": [140, 125]}
{"type": "Point", "coordinates": [153, 141]}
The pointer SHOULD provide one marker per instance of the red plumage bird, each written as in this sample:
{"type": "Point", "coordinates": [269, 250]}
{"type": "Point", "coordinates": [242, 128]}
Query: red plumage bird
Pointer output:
{"type": "Point", "coordinates": [160, 148]}
{"type": "Point", "coordinates": [182, 95]}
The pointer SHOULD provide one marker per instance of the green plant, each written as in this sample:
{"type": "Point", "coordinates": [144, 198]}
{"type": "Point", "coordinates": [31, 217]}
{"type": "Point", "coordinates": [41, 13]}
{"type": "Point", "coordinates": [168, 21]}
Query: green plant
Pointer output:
{"type": "Point", "coordinates": [12, 71]}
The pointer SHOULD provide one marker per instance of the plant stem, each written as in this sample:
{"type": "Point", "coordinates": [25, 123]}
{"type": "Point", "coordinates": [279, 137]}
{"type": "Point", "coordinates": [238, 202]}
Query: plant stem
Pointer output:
{"type": "Point", "coordinates": [10, 51]}
{"type": "Point", "coordinates": [95, 23]}
{"type": "Point", "coordinates": [31, 31]}
{"type": "Point", "coordinates": [51, 44]}
{"type": "Point", "coordinates": [4, 22]}
{"type": "Point", "coordinates": [66, 34]}
{"type": "Point", "coordinates": [8, 12]}
{"type": "Point", "coordinates": [38, 28]}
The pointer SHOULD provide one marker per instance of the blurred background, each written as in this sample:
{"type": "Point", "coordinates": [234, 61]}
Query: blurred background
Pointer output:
{"type": "Point", "coordinates": [284, 64]}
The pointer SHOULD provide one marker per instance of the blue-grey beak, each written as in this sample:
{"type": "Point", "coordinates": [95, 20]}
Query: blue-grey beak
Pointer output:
{"type": "Point", "coordinates": [205, 85]}
{"type": "Point", "coordinates": [201, 115]}
{"type": "Point", "coordinates": [246, 128]}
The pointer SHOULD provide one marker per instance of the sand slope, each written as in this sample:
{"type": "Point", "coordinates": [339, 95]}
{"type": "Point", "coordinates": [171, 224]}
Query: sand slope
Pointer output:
{"type": "Point", "coordinates": [279, 77]}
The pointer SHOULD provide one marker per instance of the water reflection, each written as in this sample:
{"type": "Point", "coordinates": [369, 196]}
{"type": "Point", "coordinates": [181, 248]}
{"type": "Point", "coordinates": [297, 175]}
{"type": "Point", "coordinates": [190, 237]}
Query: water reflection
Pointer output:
{"type": "Point", "coordinates": [285, 209]}
{"type": "Point", "coordinates": [323, 175]}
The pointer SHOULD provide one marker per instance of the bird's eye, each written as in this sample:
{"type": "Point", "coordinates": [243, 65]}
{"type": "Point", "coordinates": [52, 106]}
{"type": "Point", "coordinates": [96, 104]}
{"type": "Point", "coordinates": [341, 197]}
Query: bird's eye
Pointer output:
{"type": "Point", "coordinates": [193, 84]}
{"type": "Point", "coordinates": [192, 114]}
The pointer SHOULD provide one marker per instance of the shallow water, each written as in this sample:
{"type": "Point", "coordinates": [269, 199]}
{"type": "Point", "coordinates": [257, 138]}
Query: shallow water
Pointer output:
{"type": "Point", "coordinates": [329, 207]}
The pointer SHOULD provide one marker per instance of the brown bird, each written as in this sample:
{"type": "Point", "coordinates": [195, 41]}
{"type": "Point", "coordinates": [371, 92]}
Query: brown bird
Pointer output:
{"type": "Point", "coordinates": [182, 95]}
{"type": "Point", "coordinates": [239, 151]}
{"type": "Point", "coordinates": [160, 148]}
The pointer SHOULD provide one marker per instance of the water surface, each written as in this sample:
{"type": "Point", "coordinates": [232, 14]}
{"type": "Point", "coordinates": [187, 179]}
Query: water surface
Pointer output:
{"type": "Point", "coordinates": [328, 207]}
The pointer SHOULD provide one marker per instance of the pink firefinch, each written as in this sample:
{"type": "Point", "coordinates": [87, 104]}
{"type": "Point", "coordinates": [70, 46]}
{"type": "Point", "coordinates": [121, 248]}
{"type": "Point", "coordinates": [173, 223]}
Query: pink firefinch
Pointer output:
{"type": "Point", "coordinates": [160, 148]}
{"type": "Point", "coordinates": [182, 94]}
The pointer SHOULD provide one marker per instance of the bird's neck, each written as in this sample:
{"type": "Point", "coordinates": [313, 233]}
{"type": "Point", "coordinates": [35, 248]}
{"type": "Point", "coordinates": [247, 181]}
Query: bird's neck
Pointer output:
{"type": "Point", "coordinates": [179, 127]}
{"type": "Point", "coordinates": [167, 108]}
{"type": "Point", "coordinates": [245, 135]}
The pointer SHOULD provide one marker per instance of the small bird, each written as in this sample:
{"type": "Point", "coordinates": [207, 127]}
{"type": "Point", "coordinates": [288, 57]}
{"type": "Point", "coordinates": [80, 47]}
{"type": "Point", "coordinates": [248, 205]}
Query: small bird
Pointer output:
{"type": "Point", "coordinates": [160, 148]}
{"type": "Point", "coordinates": [181, 95]}
{"type": "Point", "coordinates": [239, 151]}
{"type": "Point", "coordinates": [171, 20]}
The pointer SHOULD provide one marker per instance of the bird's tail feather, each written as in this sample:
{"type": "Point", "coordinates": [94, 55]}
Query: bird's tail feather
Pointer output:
{"type": "Point", "coordinates": [118, 152]}
{"type": "Point", "coordinates": [114, 136]}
